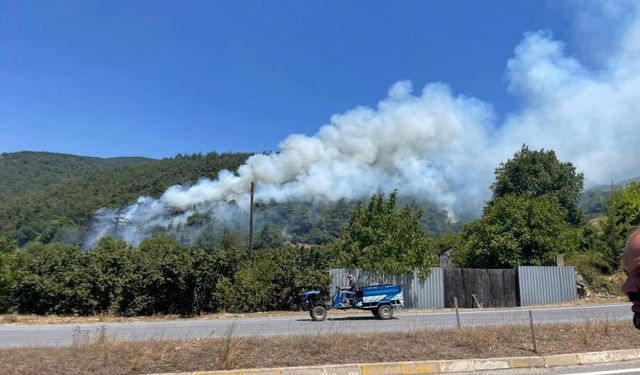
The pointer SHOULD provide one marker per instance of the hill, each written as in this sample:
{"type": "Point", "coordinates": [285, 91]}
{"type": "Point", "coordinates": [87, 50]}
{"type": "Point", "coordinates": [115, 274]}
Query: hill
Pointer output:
{"type": "Point", "coordinates": [24, 172]}
{"type": "Point", "coordinates": [593, 200]}
{"type": "Point", "coordinates": [48, 197]}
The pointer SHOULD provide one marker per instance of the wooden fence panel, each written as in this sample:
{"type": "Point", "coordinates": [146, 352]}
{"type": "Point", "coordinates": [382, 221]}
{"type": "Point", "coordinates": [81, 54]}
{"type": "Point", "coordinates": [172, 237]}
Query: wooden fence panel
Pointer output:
{"type": "Point", "coordinates": [492, 287]}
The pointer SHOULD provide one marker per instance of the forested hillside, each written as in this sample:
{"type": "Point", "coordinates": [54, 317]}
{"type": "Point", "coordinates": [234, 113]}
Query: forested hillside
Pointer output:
{"type": "Point", "coordinates": [49, 197]}
{"type": "Point", "coordinates": [24, 172]}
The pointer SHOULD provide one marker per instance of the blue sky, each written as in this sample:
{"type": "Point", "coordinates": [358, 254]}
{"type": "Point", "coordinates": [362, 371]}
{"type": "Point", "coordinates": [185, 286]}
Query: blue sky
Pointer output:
{"type": "Point", "coordinates": [157, 78]}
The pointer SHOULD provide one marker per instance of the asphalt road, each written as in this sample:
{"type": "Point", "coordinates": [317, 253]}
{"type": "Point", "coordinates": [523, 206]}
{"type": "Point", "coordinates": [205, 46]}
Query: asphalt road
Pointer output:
{"type": "Point", "coordinates": [14, 335]}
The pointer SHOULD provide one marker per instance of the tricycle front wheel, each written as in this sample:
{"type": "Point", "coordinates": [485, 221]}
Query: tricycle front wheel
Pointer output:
{"type": "Point", "coordinates": [384, 312]}
{"type": "Point", "coordinates": [318, 313]}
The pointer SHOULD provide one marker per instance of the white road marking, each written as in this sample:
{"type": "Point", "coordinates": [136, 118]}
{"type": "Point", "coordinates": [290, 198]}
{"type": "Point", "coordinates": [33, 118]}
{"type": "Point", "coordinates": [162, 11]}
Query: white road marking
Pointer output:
{"type": "Point", "coordinates": [520, 309]}
{"type": "Point", "coordinates": [607, 372]}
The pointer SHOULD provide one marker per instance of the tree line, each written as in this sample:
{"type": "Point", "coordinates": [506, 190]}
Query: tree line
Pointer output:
{"type": "Point", "coordinates": [158, 277]}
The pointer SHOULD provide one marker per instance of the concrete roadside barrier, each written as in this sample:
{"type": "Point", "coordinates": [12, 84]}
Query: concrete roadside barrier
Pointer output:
{"type": "Point", "coordinates": [439, 366]}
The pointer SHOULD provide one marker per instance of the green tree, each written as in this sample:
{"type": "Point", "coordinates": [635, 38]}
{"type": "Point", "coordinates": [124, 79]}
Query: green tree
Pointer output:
{"type": "Point", "coordinates": [7, 272]}
{"type": "Point", "coordinates": [383, 237]}
{"type": "Point", "coordinates": [517, 230]}
{"type": "Point", "coordinates": [199, 218]}
{"type": "Point", "coordinates": [111, 265]}
{"type": "Point", "coordinates": [269, 236]}
{"type": "Point", "coordinates": [623, 213]}
{"type": "Point", "coordinates": [232, 240]}
{"type": "Point", "coordinates": [335, 216]}
{"type": "Point", "coordinates": [7, 244]}
{"type": "Point", "coordinates": [540, 173]}
{"type": "Point", "coordinates": [449, 241]}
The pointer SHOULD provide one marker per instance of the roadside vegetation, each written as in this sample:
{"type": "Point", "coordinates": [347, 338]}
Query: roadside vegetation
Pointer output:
{"type": "Point", "coordinates": [102, 356]}
{"type": "Point", "coordinates": [533, 215]}
{"type": "Point", "coordinates": [163, 277]}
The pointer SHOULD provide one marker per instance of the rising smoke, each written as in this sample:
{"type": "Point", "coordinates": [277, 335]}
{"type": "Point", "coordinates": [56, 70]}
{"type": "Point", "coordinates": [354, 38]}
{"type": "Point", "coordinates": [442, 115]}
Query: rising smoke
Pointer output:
{"type": "Point", "coordinates": [438, 145]}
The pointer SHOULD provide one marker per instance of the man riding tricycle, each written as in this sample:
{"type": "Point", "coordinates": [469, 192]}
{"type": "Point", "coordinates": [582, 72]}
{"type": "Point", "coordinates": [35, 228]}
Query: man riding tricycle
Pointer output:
{"type": "Point", "coordinates": [379, 299]}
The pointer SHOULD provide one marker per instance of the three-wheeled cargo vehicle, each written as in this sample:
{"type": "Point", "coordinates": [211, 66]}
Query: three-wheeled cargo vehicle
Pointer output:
{"type": "Point", "coordinates": [379, 299]}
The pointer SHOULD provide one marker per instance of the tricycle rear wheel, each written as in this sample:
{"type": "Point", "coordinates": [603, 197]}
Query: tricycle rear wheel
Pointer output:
{"type": "Point", "coordinates": [384, 312]}
{"type": "Point", "coordinates": [318, 313]}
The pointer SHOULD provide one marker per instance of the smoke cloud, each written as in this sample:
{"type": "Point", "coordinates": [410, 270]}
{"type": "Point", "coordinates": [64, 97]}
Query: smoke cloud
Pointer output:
{"type": "Point", "coordinates": [436, 144]}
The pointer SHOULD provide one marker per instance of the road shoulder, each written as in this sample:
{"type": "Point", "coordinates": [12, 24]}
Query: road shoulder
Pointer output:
{"type": "Point", "coordinates": [442, 366]}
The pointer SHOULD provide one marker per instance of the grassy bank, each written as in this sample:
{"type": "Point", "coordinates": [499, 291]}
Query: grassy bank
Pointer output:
{"type": "Point", "coordinates": [105, 357]}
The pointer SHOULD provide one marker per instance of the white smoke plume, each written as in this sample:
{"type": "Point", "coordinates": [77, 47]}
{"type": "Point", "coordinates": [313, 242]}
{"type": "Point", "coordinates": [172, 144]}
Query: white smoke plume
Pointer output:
{"type": "Point", "coordinates": [438, 145]}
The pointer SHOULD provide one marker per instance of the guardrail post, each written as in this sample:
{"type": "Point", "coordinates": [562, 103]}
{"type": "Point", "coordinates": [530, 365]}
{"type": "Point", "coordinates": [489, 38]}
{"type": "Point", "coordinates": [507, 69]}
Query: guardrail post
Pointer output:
{"type": "Point", "coordinates": [455, 302]}
{"type": "Point", "coordinates": [533, 334]}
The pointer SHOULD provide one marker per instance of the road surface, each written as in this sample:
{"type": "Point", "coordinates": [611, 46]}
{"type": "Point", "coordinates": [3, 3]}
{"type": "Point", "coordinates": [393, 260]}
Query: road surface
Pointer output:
{"type": "Point", "coordinates": [42, 335]}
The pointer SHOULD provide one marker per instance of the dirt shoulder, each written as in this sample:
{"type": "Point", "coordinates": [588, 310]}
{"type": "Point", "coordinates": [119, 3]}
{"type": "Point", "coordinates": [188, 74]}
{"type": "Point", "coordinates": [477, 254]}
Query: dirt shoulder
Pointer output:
{"type": "Point", "coordinates": [54, 319]}
{"type": "Point", "coordinates": [104, 357]}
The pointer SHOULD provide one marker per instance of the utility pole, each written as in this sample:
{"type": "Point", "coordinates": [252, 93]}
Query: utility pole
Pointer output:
{"type": "Point", "coordinates": [253, 186]}
{"type": "Point", "coordinates": [119, 219]}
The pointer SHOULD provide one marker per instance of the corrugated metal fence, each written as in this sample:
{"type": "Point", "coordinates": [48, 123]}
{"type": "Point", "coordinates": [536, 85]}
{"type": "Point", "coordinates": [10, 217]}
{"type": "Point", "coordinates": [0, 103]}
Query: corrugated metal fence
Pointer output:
{"type": "Point", "coordinates": [427, 293]}
{"type": "Point", "coordinates": [536, 285]}
{"type": "Point", "coordinates": [542, 285]}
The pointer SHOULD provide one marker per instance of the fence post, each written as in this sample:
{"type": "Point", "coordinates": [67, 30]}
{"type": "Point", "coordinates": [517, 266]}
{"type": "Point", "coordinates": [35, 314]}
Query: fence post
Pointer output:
{"type": "Point", "coordinates": [477, 301]}
{"type": "Point", "coordinates": [455, 302]}
{"type": "Point", "coordinates": [533, 334]}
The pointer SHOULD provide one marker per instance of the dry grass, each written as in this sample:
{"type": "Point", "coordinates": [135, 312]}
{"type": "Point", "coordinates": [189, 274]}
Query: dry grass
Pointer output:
{"type": "Point", "coordinates": [56, 319]}
{"type": "Point", "coordinates": [105, 357]}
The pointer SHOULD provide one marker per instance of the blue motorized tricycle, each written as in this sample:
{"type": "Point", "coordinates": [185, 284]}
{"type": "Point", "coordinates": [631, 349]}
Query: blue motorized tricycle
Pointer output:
{"type": "Point", "coordinates": [379, 299]}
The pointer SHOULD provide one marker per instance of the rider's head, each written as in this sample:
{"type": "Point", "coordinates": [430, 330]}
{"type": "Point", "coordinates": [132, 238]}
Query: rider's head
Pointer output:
{"type": "Point", "coordinates": [631, 266]}
{"type": "Point", "coordinates": [349, 276]}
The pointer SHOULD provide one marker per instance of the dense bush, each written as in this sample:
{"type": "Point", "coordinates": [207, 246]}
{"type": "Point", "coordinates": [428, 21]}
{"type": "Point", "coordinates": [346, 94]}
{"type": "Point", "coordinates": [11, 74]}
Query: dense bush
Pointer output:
{"type": "Point", "coordinates": [595, 269]}
{"type": "Point", "coordinates": [158, 277]}
{"type": "Point", "coordinates": [273, 279]}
